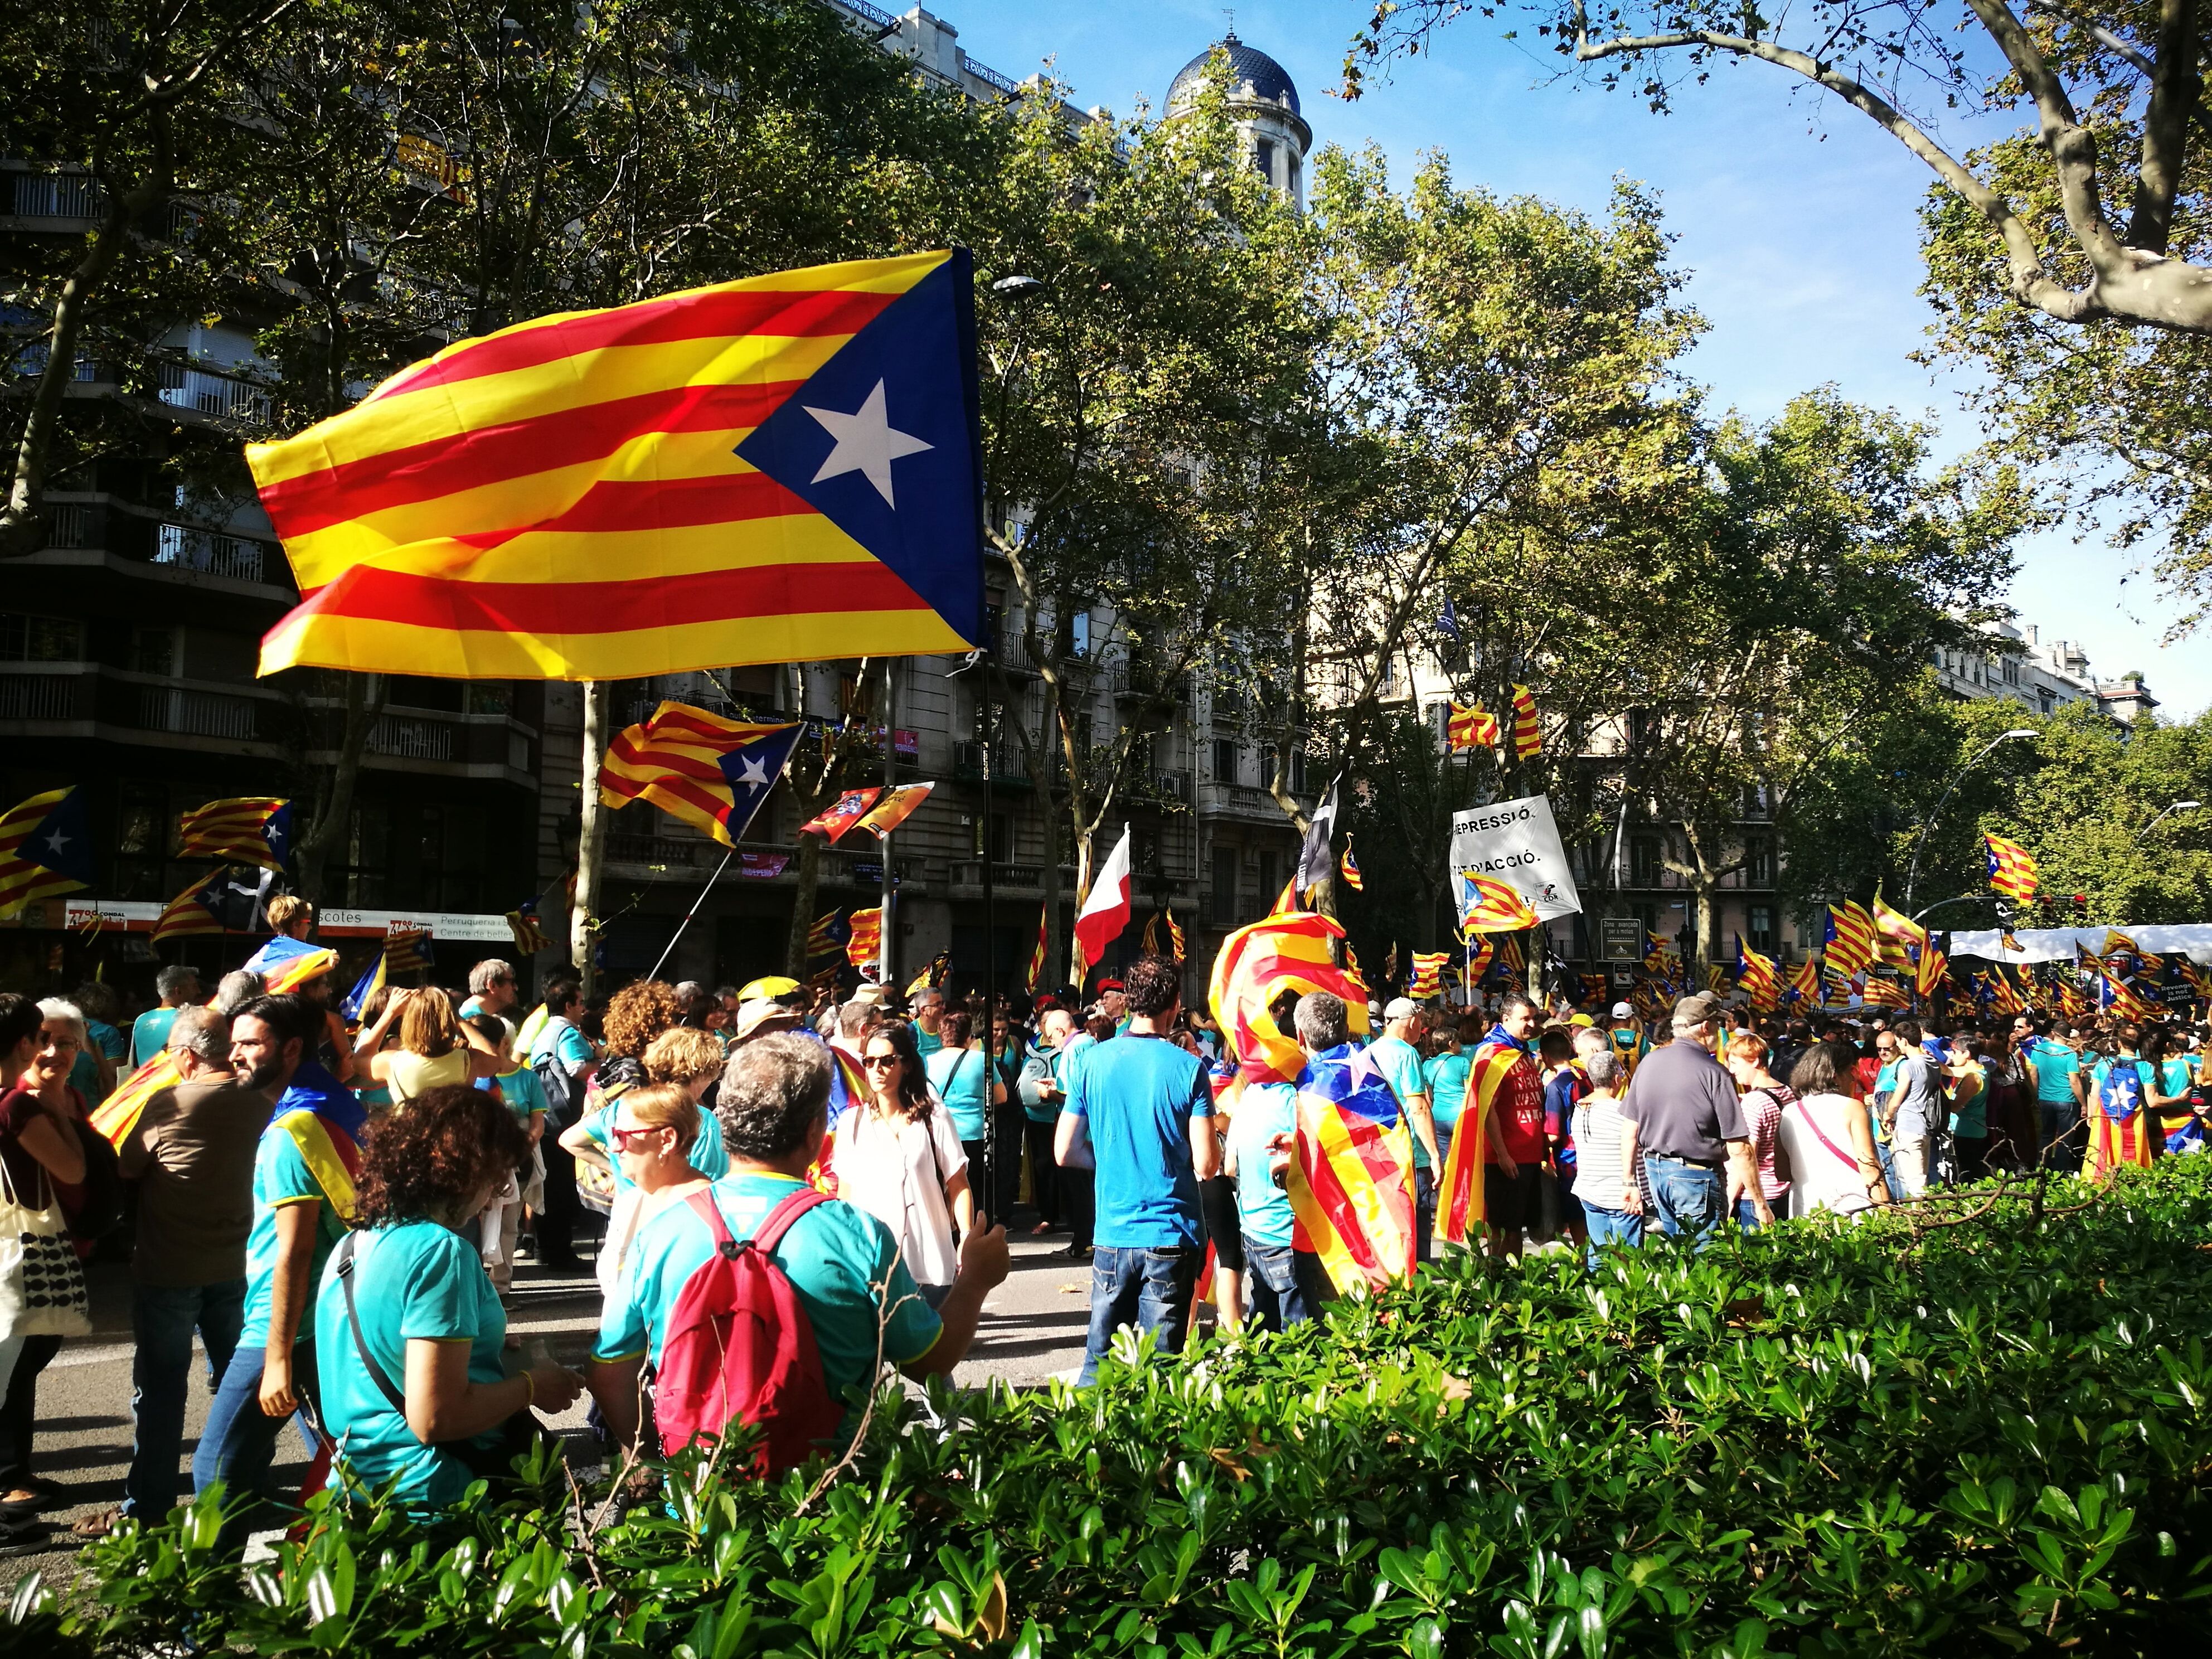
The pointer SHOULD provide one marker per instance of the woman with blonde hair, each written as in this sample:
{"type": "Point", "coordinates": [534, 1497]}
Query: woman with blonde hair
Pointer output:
{"type": "Point", "coordinates": [435, 1048]}
{"type": "Point", "coordinates": [653, 1131]}
{"type": "Point", "coordinates": [682, 1058]}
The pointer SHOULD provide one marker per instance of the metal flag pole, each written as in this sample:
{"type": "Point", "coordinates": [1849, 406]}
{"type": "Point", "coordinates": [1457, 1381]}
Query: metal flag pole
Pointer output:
{"type": "Point", "coordinates": [693, 911]}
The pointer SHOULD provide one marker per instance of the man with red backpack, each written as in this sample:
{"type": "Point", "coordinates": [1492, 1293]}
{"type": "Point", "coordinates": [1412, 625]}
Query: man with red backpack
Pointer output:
{"type": "Point", "coordinates": [762, 1301]}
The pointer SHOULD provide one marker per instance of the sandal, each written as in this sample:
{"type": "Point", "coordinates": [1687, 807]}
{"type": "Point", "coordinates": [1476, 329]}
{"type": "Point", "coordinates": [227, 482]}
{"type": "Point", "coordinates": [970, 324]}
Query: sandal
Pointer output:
{"type": "Point", "coordinates": [99, 1525]}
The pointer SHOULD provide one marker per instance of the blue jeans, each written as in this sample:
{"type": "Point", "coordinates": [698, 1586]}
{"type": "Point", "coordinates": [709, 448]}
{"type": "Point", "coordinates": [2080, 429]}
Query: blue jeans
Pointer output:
{"type": "Point", "coordinates": [1690, 1198]}
{"type": "Point", "coordinates": [1149, 1289]}
{"type": "Point", "coordinates": [2059, 1118]}
{"type": "Point", "coordinates": [1610, 1227]}
{"type": "Point", "coordinates": [1746, 1219]}
{"type": "Point", "coordinates": [241, 1439]}
{"type": "Point", "coordinates": [162, 1320]}
{"type": "Point", "coordinates": [1424, 1212]}
{"type": "Point", "coordinates": [1279, 1297]}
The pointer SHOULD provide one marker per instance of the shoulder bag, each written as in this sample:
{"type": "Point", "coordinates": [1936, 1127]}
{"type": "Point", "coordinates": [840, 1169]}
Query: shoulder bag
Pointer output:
{"type": "Point", "coordinates": [42, 1291]}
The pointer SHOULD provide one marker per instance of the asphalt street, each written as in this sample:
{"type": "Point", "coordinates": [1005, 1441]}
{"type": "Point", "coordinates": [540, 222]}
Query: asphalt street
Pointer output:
{"type": "Point", "coordinates": [1033, 1328]}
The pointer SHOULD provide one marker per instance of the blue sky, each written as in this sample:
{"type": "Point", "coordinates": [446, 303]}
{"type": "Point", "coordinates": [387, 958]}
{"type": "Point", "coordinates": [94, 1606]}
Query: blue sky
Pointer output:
{"type": "Point", "coordinates": [1793, 214]}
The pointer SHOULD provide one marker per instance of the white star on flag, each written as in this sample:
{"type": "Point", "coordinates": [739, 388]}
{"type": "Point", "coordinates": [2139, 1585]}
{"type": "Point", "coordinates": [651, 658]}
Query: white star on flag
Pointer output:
{"type": "Point", "coordinates": [58, 840]}
{"type": "Point", "coordinates": [1362, 1066]}
{"type": "Point", "coordinates": [867, 443]}
{"type": "Point", "coordinates": [753, 774]}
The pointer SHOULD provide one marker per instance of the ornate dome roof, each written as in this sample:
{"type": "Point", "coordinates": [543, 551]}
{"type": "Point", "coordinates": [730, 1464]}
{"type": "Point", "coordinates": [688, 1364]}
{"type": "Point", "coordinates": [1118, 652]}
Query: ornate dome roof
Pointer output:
{"type": "Point", "coordinates": [1247, 65]}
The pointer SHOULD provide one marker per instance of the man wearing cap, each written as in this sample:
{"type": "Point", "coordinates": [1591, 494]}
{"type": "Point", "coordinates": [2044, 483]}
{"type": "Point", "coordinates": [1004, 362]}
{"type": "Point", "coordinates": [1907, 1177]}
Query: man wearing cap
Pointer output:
{"type": "Point", "coordinates": [1113, 1003]}
{"type": "Point", "coordinates": [1398, 1053]}
{"type": "Point", "coordinates": [1682, 1115]}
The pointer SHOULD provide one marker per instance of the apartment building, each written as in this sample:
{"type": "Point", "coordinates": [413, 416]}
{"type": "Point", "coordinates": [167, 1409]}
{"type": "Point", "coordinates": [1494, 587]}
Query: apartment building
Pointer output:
{"type": "Point", "coordinates": [2041, 675]}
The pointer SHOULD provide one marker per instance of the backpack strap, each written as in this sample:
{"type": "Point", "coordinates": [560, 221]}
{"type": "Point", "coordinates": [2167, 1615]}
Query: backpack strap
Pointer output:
{"type": "Point", "coordinates": [772, 1227]}
{"type": "Point", "coordinates": [376, 1373]}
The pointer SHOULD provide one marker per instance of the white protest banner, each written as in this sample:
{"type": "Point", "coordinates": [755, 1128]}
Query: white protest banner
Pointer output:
{"type": "Point", "coordinates": [1516, 841]}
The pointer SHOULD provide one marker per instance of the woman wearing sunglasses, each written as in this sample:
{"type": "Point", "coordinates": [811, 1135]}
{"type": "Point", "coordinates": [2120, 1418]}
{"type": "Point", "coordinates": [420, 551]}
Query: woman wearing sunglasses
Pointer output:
{"type": "Point", "coordinates": [651, 1133]}
{"type": "Point", "coordinates": [898, 1158]}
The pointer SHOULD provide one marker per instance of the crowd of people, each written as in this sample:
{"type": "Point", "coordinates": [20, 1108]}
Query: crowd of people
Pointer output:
{"type": "Point", "coordinates": [335, 1210]}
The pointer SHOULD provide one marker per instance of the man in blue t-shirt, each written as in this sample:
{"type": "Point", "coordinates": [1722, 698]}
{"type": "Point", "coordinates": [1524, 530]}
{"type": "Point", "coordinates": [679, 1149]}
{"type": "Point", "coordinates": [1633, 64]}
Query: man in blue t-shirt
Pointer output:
{"type": "Point", "coordinates": [1146, 1108]}
{"type": "Point", "coordinates": [843, 1263]}
{"type": "Point", "coordinates": [2053, 1061]}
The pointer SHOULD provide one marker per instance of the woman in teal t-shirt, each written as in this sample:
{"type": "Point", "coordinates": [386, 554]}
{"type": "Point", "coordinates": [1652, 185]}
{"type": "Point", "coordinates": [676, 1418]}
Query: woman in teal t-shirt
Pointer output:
{"type": "Point", "coordinates": [406, 1286]}
{"type": "Point", "coordinates": [962, 1077]}
{"type": "Point", "coordinates": [1446, 1076]}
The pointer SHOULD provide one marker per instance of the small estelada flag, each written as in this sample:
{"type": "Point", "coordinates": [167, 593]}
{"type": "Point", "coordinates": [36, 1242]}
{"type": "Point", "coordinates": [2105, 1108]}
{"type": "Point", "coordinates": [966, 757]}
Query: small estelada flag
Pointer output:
{"type": "Point", "coordinates": [252, 829]}
{"type": "Point", "coordinates": [522, 922]}
{"type": "Point", "coordinates": [2012, 870]}
{"type": "Point", "coordinates": [896, 806]}
{"type": "Point", "coordinates": [850, 808]}
{"type": "Point", "coordinates": [1348, 867]}
{"type": "Point", "coordinates": [823, 938]}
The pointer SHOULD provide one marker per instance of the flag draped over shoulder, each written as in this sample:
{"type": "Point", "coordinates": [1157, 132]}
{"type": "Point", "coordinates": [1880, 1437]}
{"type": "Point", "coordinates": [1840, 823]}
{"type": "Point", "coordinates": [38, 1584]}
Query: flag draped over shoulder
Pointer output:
{"type": "Point", "coordinates": [115, 1116]}
{"type": "Point", "coordinates": [712, 773]}
{"type": "Point", "coordinates": [1256, 964]}
{"type": "Point", "coordinates": [1459, 1184]}
{"type": "Point", "coordinates": [2012, 872]}
{"type": "Point", "coordinates": [783, 469]}
{"type": "Point", "coordinates": [46, 848]}
{"type": "Point", "coordinates": [1351, 1175]}
{"type": "Point", "coordinates": [252, 829]}
{"type": "Point", "coordinates": [286, 965]}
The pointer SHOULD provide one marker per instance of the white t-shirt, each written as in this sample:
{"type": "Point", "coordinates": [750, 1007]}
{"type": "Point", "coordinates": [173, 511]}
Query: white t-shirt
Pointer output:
{"type": "Point", "coordinates": [895, 1169]}
{"type": "Point", "coordinates": [1824, 1169]}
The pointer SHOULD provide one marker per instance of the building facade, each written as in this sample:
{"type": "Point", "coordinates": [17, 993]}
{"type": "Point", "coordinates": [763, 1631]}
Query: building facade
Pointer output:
{"type": "Point", "coordinates": [2041, 675]}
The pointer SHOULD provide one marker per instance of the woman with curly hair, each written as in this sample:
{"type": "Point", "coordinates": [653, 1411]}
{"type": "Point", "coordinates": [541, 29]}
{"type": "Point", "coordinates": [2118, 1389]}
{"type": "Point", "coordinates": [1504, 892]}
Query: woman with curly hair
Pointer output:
{"type": "Point", "coordinates": [414, 1392]}
{"type": "Point", "coordinates": [635, 1015]}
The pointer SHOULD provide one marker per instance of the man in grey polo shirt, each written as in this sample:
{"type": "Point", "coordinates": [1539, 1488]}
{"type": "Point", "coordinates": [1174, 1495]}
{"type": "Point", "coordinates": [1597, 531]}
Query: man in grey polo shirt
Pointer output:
{"type": "Point", "coordinates": [1682, 1115]}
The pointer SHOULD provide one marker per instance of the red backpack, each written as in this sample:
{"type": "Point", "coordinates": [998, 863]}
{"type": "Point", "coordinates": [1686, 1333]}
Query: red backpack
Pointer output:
{"type": "Point", "coordinates": [740, 1347]}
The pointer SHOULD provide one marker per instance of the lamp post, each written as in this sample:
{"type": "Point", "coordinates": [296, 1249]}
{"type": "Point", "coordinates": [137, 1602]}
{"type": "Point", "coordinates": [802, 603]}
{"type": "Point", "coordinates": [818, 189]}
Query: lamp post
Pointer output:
{"type": "Point", "coordinates": [2176, 807]}
{"type": "Point", "coordinates": [1920, 841]}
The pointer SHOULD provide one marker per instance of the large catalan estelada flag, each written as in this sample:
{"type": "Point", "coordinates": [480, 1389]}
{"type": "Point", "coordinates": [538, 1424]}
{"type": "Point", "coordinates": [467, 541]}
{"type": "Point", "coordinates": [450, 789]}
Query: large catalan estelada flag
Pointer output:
{"type": "Point", "coordinates": [1460, 1201]}
{"type": "Point", "coordinates": [782, 469]}
{"type": "Point", "coordinates": [1487, 905]}
{"type": "Point", "coordinates": [46, 848]}
{"type": "Point", "coordinates": [1351, 1174]}
{"type": "Point", "coordinates": [712, 773]}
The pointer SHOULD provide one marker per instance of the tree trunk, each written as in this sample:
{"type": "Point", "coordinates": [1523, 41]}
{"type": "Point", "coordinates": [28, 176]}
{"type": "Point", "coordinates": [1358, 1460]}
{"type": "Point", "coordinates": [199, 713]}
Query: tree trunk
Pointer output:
{"type": "Point", "coordinates": [593, 835]}
{"type": "Point", "coordinates": [807, 871]}
{"type": "Point", "coordinates": [332, 820]}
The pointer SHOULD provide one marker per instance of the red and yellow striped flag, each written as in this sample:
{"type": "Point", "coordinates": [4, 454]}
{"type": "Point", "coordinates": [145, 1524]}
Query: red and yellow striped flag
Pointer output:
{"type": "Point", "coordinates": [1348, 867]}
{"type": "Point", "coordinates": [189, 914]}
{"type": "Point", "coordinates": [782, 469]}
{"type": "Point", "coordinates": [250, 829]}
{"type": "Point", "coordinates": [1901, 938]}
{"type": "Point", "coordinates": [46, 848]}
{"type": "Point", "coordinates": [1037, 957]}
{"type": "Point", "coordinates": [1428, 973]}
{"type": "Point", "coordinates": [865, 942]}
{"type": "Point", "coordinates": [1527, 735]}
{"type": "Point", "coordinates": [1469, 727]}
{"type": "Point", "coordinates": [1351, 1176]}
{"type": "Point", "coordinates": [114, 1117]}
{"type": "Point", "coordinates": [1848, 944]}
{"type": "Point", "coordinates": [2012, 872]}
{"type": "Point", "coordinates": [1259, 963]}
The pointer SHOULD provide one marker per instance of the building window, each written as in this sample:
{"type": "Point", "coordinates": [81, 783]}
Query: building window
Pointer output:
{"type": "Point", "coordinates": [1078, 635]}
{"type": "Point", "coordinates": [1643, 860]}
{"type": "Point", "coordinates": [1263, 159]}
{"type": "Point", "coordinates": [1267, 873]}
{"type": "Point", "coordinates": [1223, 897]}
{"type": "Point", "coordinates": [1224, 760]}
{"type": "Point", "coordinates": [40, 639]}
{"type": "Point", "coordinates": [1760, 927]}
{"type": "Point", "coordinates": [1759, 861]}
{"type": "Point", "coordinates": [1297, 771]}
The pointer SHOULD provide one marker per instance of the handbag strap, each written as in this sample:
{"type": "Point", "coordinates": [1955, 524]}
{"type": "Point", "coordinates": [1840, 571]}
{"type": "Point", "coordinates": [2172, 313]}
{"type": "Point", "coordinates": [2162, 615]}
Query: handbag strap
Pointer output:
{"type": "Point", "coordinates": [376, 1372]}
{"type": "Point", "coordinates": [1821, 1135]}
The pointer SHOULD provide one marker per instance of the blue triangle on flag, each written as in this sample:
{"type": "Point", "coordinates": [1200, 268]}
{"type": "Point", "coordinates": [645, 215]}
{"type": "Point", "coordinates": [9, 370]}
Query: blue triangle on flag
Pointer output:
{"type": "Point", "coordinates": [885, 441]}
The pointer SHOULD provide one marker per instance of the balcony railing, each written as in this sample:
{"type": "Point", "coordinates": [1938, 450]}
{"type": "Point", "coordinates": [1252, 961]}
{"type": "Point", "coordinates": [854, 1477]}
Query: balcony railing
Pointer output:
{"type": "Point", "coordinates": [38, 696]}
{"type": "Point", "coordinates": [57, 196]}
{"type": "Point", "coordinates": [187, 548]}
{"type": "Point", "coordinates": [409, 739]}
{"type": "Point", "coordinates": [197, 714]}
{"type": "Point", "coordinates": [207, 391]}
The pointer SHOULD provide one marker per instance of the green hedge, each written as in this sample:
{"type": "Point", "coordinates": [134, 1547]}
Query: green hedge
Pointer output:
{"type": "Point", "coordinates": [1986, 1438]}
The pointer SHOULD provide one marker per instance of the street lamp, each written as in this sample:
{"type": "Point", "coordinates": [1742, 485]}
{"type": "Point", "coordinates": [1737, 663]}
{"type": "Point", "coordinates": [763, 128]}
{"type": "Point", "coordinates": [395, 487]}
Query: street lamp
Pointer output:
{"type": "Point", "coordinates": [1920, 842]}
{"type": "Point", "coordinates": [976, 668]}
{"type": "Point", "coordinates": [2177, 806]}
